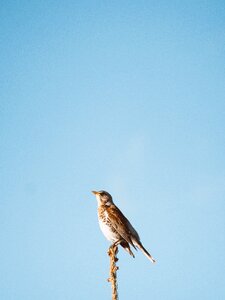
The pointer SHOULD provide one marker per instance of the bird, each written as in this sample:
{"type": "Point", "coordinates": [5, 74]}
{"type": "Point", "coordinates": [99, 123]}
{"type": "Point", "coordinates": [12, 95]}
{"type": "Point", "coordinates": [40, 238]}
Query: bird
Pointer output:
{"type": "Point", "coordinates": [116, 227]}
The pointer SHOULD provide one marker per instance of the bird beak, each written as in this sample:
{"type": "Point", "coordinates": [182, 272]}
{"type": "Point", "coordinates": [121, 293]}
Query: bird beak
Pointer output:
{"type": "Point", "coordinates": [95, 193]}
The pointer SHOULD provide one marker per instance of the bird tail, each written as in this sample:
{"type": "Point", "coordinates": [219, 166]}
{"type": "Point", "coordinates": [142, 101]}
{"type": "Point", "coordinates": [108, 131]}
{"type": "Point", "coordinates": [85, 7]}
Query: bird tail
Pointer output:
{"type": "Point", "coordinates": [146, 253]}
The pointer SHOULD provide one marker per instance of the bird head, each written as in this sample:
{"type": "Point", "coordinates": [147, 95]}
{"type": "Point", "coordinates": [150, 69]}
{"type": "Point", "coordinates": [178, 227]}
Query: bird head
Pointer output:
{"type": "Point", "coordinates": [103, 198]}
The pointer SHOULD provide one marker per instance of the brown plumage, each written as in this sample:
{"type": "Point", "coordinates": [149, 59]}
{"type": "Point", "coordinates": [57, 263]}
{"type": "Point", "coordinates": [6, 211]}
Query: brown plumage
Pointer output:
{"type": "Point", "coordinates": [116, 227]}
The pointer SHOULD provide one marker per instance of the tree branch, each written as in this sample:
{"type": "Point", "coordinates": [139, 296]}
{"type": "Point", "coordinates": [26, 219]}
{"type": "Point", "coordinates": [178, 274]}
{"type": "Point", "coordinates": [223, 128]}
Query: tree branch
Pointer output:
{"type": "Point", "coordinates": [112, 252]}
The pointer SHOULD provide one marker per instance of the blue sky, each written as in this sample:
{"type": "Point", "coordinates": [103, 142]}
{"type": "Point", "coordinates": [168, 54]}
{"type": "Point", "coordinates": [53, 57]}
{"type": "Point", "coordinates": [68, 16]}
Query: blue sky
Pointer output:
{"type": "Point", "coordinates": [126, 96]}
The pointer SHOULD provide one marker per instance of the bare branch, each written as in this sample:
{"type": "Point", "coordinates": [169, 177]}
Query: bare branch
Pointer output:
{"type": "Point", "coordinates": [112, 252]}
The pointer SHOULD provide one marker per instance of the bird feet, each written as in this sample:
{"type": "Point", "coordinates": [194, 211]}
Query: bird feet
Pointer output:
{"type": "Point", "coordinates": [113, 250]}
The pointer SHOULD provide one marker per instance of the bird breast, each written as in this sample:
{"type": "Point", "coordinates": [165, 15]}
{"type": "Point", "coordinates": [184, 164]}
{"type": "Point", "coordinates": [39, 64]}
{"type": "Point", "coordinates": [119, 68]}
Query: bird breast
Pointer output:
{"type": "Point", "coordinates": [107, 229]}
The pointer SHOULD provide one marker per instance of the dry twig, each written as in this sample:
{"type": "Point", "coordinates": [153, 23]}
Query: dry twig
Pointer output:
{"type": "Point", "coordinates": [112, 252]}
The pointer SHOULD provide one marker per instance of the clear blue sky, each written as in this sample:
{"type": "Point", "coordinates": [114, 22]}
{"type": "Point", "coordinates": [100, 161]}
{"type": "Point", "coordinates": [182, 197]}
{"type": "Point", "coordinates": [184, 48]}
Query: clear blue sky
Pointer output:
{"type": "Point", "coordinates": [126, 96]}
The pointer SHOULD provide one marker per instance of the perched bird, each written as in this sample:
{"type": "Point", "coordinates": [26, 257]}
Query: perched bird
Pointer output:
{"type": "Point", "coordinates": [115, 226]}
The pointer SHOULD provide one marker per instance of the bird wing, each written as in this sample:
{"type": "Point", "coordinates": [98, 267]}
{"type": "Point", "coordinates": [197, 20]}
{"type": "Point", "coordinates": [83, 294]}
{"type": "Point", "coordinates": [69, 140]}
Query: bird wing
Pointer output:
{"type": "Point", "coordinates": [121, 224]}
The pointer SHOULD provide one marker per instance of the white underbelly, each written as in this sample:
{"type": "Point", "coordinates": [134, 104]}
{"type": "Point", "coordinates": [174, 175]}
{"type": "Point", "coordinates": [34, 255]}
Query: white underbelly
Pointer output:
{"type": "Point", "coordinates": [108, 233]}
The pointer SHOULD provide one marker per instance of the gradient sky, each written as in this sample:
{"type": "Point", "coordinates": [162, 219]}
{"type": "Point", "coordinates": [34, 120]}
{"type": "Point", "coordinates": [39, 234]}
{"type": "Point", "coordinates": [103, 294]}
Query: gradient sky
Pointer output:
{"type": "Point", "coordinates": [126, 96]}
